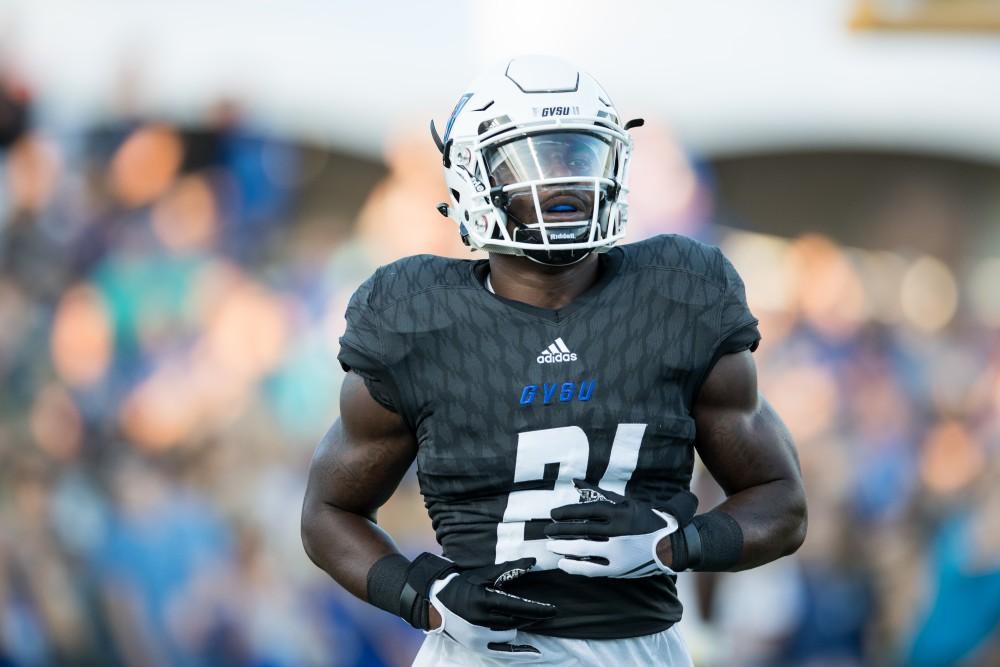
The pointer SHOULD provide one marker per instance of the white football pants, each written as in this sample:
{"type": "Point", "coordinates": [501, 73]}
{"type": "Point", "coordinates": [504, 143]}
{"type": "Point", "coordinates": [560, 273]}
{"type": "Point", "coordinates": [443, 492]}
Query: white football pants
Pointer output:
{"type": "Point", "coordinates": [663, 649]}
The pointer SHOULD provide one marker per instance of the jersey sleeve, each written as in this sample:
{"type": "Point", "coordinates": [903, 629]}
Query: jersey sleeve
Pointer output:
{"type": "Point", "coordinates": [738, 326]}
{"type": "Point", "coordinates": [361, 350]}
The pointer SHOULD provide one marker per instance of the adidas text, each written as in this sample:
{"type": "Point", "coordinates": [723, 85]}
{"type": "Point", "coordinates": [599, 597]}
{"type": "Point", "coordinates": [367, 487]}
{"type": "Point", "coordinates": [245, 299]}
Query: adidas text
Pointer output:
{"type": "Point", "coordinates": [549, 358]}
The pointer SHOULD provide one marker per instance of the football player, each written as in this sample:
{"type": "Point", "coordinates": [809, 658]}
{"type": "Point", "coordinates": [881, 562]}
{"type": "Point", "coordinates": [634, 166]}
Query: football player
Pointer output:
{"type": "Point", "coordinates": [553, 396]}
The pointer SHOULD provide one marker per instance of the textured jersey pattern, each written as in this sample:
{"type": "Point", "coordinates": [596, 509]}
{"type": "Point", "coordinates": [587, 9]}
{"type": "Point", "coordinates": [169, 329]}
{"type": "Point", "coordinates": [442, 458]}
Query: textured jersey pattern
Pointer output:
{"type": "Point", "coordinates": [461, 366]}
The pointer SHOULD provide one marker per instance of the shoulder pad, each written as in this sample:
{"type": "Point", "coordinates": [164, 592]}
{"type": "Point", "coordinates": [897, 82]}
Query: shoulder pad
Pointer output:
{"type": "Point", "coordinates": [409, 276]}
{"type": "Point", "coordinates": [673, 251]}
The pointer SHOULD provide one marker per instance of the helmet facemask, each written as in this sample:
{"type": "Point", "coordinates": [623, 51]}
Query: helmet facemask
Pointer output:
{"type": "Point", "coordinates": [567, 214]}
{"type": "Point", "coordinates": [553, 193]}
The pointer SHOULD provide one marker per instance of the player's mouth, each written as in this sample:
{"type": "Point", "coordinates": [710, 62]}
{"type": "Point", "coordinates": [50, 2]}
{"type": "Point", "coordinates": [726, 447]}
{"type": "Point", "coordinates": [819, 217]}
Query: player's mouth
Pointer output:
{"type": "Point", "coordinates": [564, 207]}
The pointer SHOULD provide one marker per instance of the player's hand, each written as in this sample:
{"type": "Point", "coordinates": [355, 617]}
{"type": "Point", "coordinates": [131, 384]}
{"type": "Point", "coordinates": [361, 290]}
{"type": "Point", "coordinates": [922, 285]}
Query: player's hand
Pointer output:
{"type": "Point", "coordinates": [609, 535]}
{"type": "Point", "coordinates": [477, 614]}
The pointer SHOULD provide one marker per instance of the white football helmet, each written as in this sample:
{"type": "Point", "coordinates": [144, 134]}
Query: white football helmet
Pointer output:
{"type": "Point", "coordinates": [536, 159]}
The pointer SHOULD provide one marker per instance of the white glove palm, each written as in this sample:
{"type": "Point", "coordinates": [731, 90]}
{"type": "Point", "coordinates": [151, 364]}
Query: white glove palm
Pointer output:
{"type": "Point", "coordinates": [479, 616]}
{"type": "Point", "coordinates": [608, 535]}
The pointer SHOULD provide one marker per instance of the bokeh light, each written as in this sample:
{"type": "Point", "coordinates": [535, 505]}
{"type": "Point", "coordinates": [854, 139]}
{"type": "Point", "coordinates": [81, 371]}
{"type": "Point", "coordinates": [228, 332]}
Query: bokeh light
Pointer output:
{"type": "Point", "coordinates": [882, 274]}
{"type": "Point", "coordinates": [32, 172]}
{"type": "Point", "coordinates": [952, 458]}
{"type": "Point", "coordinates": [56, 425]}
{"type": "Point", "coordinates": [765, 265]}
{"type": "Point", "coordinates": [929, 294]}
{"type": "Point", "coordinates": [81, 336]}
{"type": "Point", "coordinates": [806, 398]}
{"type": "Point", "coordinates": [145, 164]}
{"type": "Point", "coordinates": [830, 293]}
{"type": "Point", "coordinates": [984, 291]}
{"type": "Point", "coordinates": [186, 219]}
{"type": "Point", "coordinates": [247, 334]}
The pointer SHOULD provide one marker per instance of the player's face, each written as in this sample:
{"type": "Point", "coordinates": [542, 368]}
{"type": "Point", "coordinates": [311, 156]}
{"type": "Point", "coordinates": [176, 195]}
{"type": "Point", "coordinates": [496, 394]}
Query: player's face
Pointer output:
{"type": "Point", "coordinates": [546, 156]}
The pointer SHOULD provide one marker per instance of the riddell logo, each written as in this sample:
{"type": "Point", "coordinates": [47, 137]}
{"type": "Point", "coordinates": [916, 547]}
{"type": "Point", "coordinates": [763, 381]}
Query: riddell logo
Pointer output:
{"type": "Point", "coordinates": [556, 353]}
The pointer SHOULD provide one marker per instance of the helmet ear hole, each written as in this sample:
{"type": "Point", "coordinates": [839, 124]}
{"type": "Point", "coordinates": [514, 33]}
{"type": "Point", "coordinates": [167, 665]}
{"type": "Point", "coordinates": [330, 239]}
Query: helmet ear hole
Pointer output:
{"type": "Point", "coordinates": [483, 223]}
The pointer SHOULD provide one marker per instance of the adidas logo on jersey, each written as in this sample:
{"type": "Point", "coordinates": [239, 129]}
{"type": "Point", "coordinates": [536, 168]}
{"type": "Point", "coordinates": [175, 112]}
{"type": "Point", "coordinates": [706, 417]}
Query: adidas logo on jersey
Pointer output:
{"type": "Point", "coordinates": [556, 353]}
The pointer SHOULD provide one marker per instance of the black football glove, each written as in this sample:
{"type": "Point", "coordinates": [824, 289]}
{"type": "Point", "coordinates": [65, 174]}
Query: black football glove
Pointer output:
{"type": "Point", "coordinates": [477, 614]}
{"type": "Point", "coordinates": [609, 535]}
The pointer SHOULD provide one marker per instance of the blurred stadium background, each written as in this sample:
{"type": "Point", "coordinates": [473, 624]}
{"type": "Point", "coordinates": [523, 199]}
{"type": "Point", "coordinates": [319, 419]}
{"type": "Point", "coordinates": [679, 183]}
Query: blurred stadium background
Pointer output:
{"type": "Point", "coordinates": [190, 191]}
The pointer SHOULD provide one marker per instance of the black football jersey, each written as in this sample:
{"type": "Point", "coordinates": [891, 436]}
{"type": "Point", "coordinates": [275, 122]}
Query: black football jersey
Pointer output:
{"type": "Point", "coordinates": [510, 403]}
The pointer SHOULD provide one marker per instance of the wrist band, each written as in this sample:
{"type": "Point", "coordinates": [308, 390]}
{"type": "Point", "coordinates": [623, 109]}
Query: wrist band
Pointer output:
{"type": "Point", "coordinates": [402, 587]}
{"type": "Point", "coordinates": [386, 580]}
{"type": "Point", "coordinates": [712, 542]}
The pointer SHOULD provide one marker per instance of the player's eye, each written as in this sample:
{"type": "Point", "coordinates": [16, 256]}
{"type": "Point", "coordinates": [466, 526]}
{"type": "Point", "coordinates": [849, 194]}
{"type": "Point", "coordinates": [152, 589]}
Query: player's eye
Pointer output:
{"type": "Point", "coordinates": [579, 162]}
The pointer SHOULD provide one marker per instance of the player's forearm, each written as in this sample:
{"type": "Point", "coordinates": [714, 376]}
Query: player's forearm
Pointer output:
{"type": "Point", "coordinates": [752, 527]}
{"type": "Point", "coordinates": [344, 544]}
{"type": "Point", "coordinates": [772, 518]}
{"type": "Point", "coordinates": [356, 468]}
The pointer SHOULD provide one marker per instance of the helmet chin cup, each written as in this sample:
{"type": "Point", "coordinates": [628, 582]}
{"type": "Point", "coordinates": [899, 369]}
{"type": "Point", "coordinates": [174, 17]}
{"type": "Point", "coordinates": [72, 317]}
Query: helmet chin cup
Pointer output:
{"type": "Point", "coordinates": [557, 257]}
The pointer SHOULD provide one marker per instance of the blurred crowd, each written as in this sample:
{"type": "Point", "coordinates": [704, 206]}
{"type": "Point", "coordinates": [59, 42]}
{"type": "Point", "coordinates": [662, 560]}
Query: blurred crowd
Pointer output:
{"type": "Point", "coordinates": [169, 314]}
{"type": "Point", "coordinates": [168, 361]}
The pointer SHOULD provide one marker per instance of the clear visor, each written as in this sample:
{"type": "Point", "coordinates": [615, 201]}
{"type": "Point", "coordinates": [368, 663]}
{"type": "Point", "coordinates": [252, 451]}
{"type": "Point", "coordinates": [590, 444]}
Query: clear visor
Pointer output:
{"type": "Point", "coordinates": [550, 155]}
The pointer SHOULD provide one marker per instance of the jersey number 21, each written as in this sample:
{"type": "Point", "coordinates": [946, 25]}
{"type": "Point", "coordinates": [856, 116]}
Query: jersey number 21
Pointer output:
{"type": "Point", "coordinates": [563, 453]}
